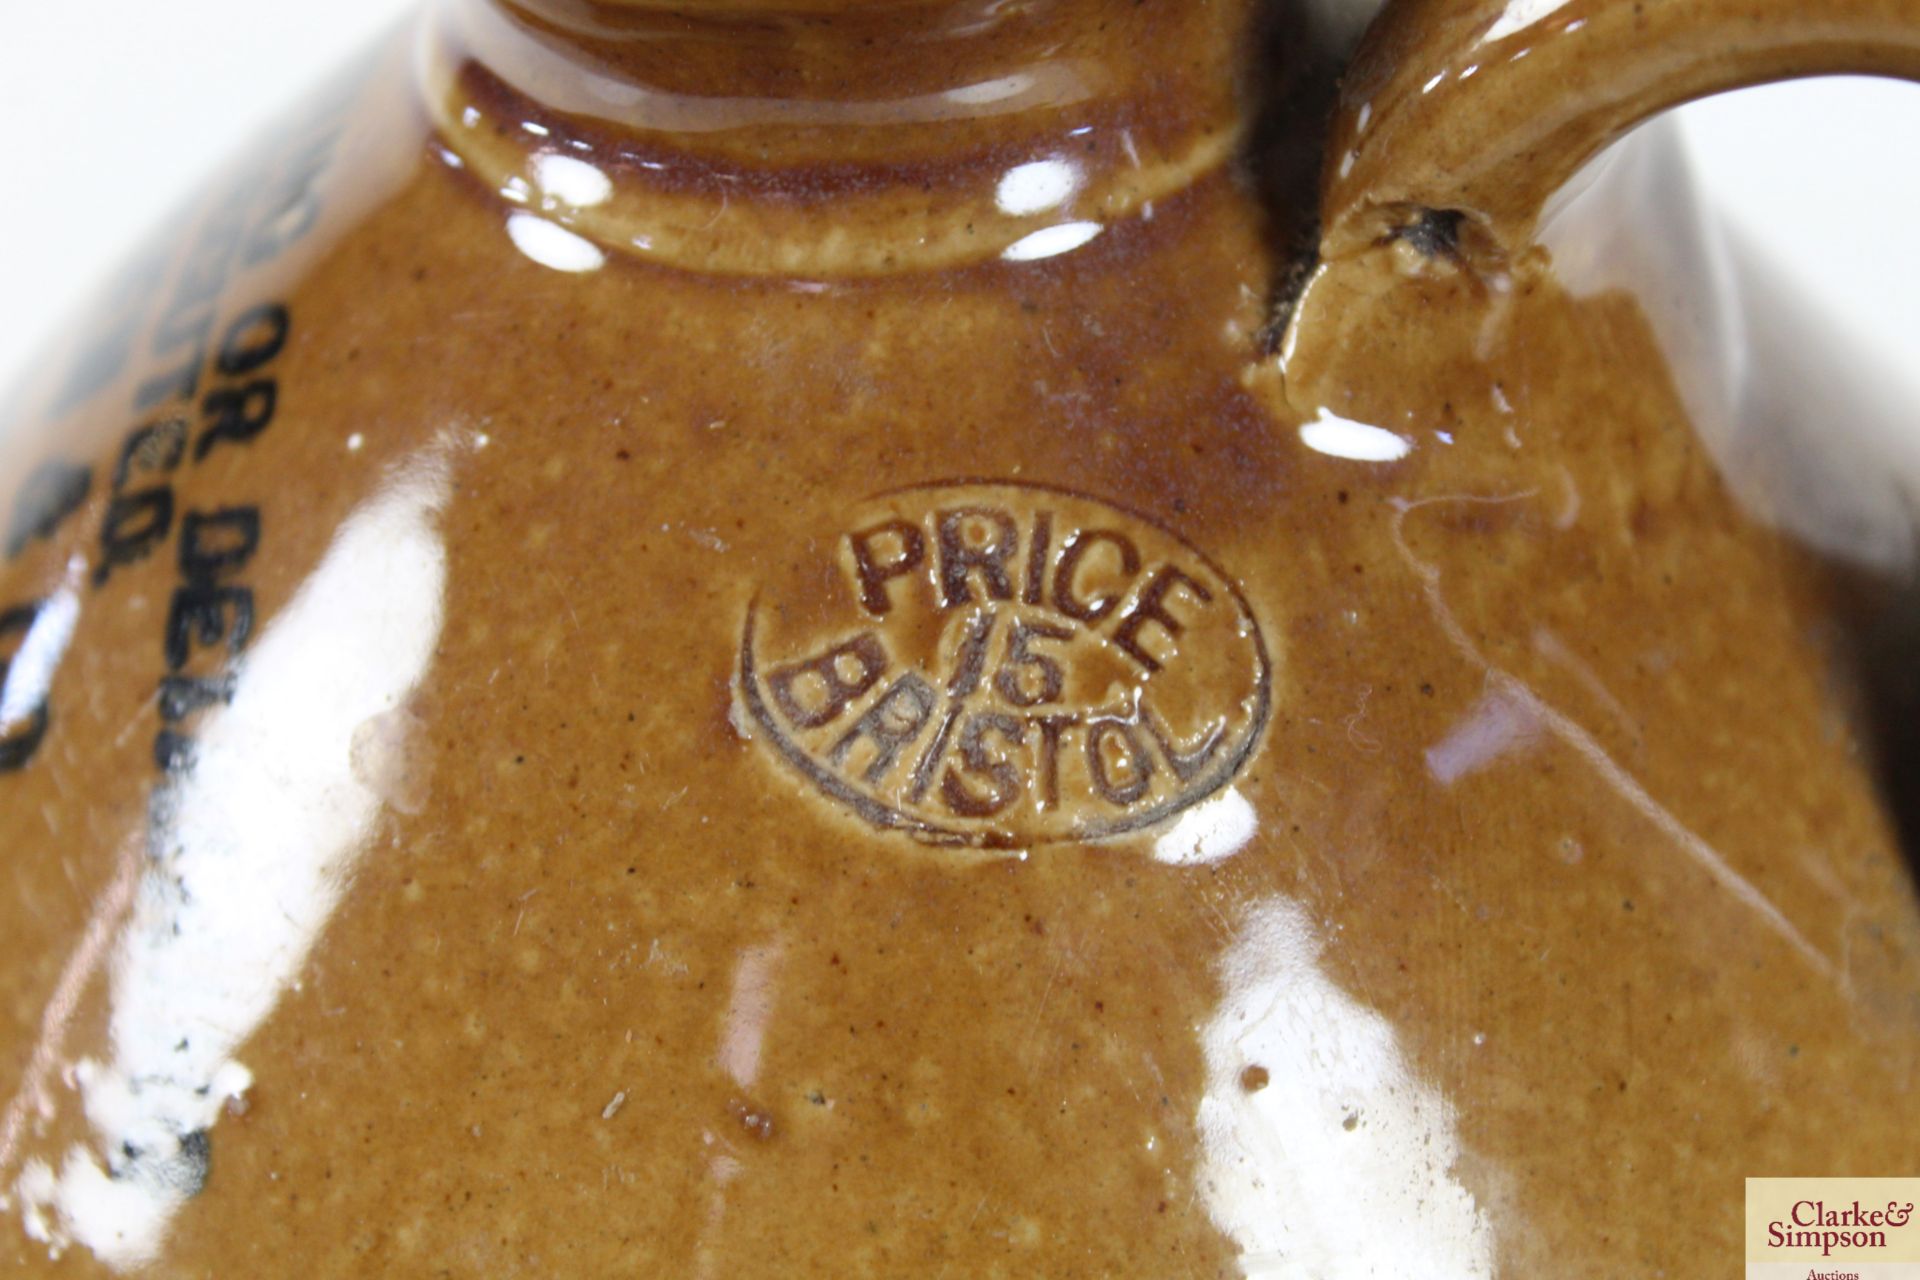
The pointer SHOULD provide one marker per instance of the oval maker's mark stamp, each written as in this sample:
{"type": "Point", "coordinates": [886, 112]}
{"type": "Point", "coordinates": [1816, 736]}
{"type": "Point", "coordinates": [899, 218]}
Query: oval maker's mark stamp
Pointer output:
{"type": "Point", "coordinates": [1006, 665]}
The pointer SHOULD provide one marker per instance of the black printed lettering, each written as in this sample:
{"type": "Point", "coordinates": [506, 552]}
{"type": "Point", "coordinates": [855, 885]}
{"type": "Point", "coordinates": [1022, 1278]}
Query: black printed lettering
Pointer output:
{"type": "Point", "coordinates": [204, 616]}
{"type": "Point", "coordinates": [255, 337]}
{"type": "Point", "coordinates": [237, 414]}
{"type": "Point", "coordinates": [181, 697]}
{"type": "Point", "coordinates": [154, 448]}
{"type": "Point", "coordinates": [135, 524]}
{"type": "Point", "coordinates": [172, 752]}
{"type": "Point", "coordinates": [218, 542]}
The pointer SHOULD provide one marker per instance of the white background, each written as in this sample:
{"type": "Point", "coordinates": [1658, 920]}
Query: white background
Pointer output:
{"type": "Point", "coordinates": [114, 110]}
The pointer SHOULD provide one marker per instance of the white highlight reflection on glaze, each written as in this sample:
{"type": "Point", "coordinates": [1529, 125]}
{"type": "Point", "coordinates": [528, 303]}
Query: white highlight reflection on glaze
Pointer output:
{"type": "Point", "coordinates": [1036, 186]}
{"type": "Point", "coordinates": [1340, 437]}
{"type": "Point", "coordinates": [1211, 831]}
{"type": "Point", "coordinates": [252, 847]}
{"type": "Point", "coordinates": [552, 245]}
{"type": "Point", "coordinates": [571, 181]}
{"type": "Point", "coordinates": [1303, 1195]}
{"type": "Point", "coordinates": [1519, 15]}
{"type": "Point", "coordinates": [1049, 242]}
{"type": "Point", "coordinates": [30, 672]}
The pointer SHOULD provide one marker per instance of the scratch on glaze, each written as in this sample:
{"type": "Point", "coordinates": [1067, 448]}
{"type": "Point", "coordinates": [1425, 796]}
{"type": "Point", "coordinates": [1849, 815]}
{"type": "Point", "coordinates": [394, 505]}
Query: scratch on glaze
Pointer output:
{"type": "Point", "coordinates": [1584, 745]}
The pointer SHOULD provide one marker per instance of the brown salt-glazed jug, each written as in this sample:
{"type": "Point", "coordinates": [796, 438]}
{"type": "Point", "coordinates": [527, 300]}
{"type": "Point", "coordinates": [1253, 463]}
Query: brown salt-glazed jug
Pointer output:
{"type": "Point", "coordinates": [1071, 638]}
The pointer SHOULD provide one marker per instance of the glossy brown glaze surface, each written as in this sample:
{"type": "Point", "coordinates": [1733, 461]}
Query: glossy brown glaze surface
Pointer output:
{"type": "Point", "coordinates": [969, 762]}
{"type": "Point", "coordinates": [1491, 105]}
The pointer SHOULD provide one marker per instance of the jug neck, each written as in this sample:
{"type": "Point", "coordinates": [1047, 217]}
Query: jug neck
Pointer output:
{"type": "Point", "coordinates": [928, 134]}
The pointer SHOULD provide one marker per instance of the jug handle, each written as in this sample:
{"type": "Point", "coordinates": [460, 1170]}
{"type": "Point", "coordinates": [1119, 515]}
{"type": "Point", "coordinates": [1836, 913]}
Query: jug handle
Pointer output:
{"type": "Point", "coordinates": [1484, 108]}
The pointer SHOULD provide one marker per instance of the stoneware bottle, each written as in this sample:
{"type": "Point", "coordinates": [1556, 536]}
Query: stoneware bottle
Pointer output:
{"type": "Point", "coordinates": [958, 639]}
